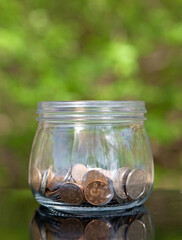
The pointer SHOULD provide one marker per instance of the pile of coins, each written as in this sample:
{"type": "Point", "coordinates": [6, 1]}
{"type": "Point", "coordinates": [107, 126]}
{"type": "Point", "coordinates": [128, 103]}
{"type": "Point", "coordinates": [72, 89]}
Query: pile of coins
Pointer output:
{"type": "Point", "coordinates": [129, 227]}
{"type": "Point", "coordinates": [98, 187]}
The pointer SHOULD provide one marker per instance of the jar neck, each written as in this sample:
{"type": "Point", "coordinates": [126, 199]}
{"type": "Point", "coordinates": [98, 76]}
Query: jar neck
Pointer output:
{"type": "Point", "coordinates": [92, 112]}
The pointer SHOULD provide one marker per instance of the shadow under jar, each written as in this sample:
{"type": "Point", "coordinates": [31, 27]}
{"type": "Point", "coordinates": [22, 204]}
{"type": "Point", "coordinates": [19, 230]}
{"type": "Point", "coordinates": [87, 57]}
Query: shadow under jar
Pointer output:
{"type": "Point", "coordinates": [91, 157]}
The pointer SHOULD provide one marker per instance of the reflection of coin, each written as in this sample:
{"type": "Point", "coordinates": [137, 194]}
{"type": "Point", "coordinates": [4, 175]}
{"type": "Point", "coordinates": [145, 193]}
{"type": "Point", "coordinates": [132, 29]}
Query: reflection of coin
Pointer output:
{"type": "Point", "coordinates": [136, 230]}
{"type": "Point", "coordinates": [93, 175]}
{"type": "Point", "coordinates": [35, 231]}
{"type": "Point", "coordinates": [71, 193]}
{"type": "Point", "coordinates": [97, 229]}
{"type": "Point", "coordinates": [97, 192]}
{"type": "Point", "coordinates": [77, 172]}
{"type": "Point", "coordinates": [36, 179]}
{"type": "Point", "coordinates": [71, 229]}
{"type": "Point", "coordinates": [135, 183]}
{"type": "Point", "coordinates": [119, 182]}
{"type": "Point", "coordinates": [147, 221]}
{"type": "Point", "coordinates": [121, 232]}
{"type": "Point", "coordinates": [58, 179]}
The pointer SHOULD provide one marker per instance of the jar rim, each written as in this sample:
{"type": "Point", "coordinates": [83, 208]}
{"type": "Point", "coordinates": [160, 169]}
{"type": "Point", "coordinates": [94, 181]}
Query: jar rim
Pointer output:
{"type": "Point", "coordinates": [91, 111]}
{"type": "Point", "coordinates": [56, 106]}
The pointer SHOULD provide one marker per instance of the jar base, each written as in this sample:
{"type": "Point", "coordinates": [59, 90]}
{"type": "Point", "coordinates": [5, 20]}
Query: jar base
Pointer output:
{"type": "Point", "coordinates": [85, 210]}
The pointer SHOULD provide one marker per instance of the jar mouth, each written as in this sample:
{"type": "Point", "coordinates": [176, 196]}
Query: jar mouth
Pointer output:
{"type": "Point", "coordinates": [91, 110]}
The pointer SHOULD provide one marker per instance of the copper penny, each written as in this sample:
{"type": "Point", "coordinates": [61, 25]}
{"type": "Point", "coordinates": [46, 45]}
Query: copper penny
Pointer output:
{"type": "Point", "coordinates": [36, 179]}
{"type": "Point", "coordinates": [77, 172]}
{"type": "Point", "coordinates": [93, 175]}
{"type": "Point", "coordinates": [71, 229]}
{"type": "Point", "coordinates": [71, 193]}
{"type": "Point", "coordinates": [98, 229]}
{"type": "Point", "coordinates": [97, 192]}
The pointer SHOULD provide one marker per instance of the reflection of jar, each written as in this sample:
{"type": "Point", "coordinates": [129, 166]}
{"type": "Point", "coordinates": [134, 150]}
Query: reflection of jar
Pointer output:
{"type": "Point", "coordinates": [130, 225]}
{"type": "Point", "coordinates": [91, 156]}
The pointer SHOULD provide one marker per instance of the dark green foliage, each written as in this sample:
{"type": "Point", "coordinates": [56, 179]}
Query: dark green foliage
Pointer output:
{"type": "Point", "coordinates": [74, 50]}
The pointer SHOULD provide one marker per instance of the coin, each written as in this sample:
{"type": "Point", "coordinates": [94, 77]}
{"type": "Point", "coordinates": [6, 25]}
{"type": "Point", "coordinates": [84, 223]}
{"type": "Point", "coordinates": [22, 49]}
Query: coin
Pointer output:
{"type": "Point", "coordinates": [49, 174]}
{"type": "Point", "coordinates": [98, 229]}
{"type": "Point", "coordinates": [136, 230]}
{"type": "Point", "coordinates": [58, 179]}
{"type": "Point", "coordinates": [111, 195]}
{"type": "Point", "coordinates": [121, 232]}
{"type": "Point", "coordinates": [135, 183]}
{"type": "Point", "coordinates": [107, 173]}
{"type": "Point", "coordinates": [43, 232]}
{"type": "Point", "coordinates": [71, 193]}
{"type": "Point", "coordinates": [77, 172]}
{"type": "Point", "coordinates": [118, 199]}
{"type": "Point", "coordinates": [35, 230]}
{"type": "Point", "coordinates": [97, 192]}
{"type": "Point", "coordinates": [93, 175]}
{"type": "Point", "coordinates": [46, 178]}
{"type": "Point", "coordinates": [52, 194]}
{"type": "Point", "coordinates": [71, 229]}
{"type": "Point", "coordinates": [119, 182]}
{"type": "Point", "coordinates": [145, 218]}
{"type": "Point", "coordinates": [43, 183]}
{"type": "Point", "coordinates": [36, 179]}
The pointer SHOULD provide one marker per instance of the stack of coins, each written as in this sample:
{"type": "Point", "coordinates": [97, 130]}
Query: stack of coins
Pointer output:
{"type": "Point", "coordinates": [97, 187]}
{"type": "Point", "coordinates": [131, 227]}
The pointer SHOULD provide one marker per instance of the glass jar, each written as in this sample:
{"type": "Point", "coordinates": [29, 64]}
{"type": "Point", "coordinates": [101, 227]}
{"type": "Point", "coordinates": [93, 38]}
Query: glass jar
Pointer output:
{"type": "Point", "coordinates": [91, 157]}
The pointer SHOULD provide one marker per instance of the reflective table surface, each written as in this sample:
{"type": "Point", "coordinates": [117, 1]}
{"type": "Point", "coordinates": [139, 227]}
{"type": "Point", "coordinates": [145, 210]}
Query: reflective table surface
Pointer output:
{"type": "Point", "coordinates": [22, 218]}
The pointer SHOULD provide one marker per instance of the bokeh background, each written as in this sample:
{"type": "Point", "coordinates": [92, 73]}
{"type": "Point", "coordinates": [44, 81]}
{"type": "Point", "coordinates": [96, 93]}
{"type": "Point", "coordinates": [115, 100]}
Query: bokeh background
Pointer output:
{"type": "Point", "coordinates": [90, 50]}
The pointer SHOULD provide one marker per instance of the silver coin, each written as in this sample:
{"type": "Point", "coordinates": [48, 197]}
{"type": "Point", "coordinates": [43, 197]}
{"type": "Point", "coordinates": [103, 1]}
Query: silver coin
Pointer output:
{"type": "Point", "coordinates": [44, 182]}
{"type": "Point", "coordinates": [135, 183]}
{"type": "Point", "coordinates": [111, 195]}
{"type": "Point", "coordinates": [54, 195]}
{"type": "Point", "coordinates": [46, 178]}
{"type": "Point", "coordinates": [119, 182]}
{"type": "Point", "coordinates": [118, 199]}
{"type": "Point", "coordinates": [121, 232]}
{"type": "Point", "coordinates": [59, 178]}
{"type": "Point", "coordinates": [136, 230]}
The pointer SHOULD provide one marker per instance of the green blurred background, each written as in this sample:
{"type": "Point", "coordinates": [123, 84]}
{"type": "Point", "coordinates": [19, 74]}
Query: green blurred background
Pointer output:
{"type": "Point", "coordinates": [90, 50]}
